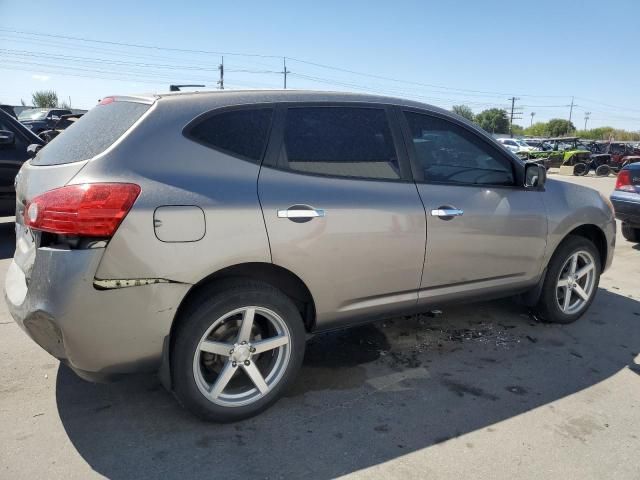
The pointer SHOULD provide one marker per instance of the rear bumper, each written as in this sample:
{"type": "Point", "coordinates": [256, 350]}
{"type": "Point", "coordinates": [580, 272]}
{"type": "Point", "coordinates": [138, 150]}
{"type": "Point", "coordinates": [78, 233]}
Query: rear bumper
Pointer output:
{"type": "Point", "coordinates": [627, 207]}
{"type": "Point", "coordinates": [98, 333]}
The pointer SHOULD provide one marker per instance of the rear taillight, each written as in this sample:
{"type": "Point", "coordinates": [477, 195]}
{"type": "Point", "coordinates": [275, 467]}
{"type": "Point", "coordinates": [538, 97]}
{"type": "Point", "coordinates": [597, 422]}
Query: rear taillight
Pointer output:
{"type": "Point", "coordinates": [90, 209]}
{"type": "Point", "coordinates": [624, 181]}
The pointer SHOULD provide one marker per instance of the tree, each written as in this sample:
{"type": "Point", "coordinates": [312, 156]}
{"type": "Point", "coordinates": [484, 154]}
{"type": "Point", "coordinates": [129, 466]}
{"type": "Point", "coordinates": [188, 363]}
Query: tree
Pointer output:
{"type": "Point", "coordinates": [45, 99]}
{"type": "Point", "coordinates": [538, 129]}
{"type": "Point", "coordinates": [517, 130]}
{"type": "Point", "coordinates": [493, 120]}
{"type": "Point", "coordinates": [464, 111]}
{"type": "Point", "coordinates": [557, 127]}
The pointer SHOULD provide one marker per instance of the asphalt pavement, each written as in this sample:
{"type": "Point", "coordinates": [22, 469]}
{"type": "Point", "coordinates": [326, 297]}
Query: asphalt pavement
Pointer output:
{"type": "Point", "coordinates": [480, 391]}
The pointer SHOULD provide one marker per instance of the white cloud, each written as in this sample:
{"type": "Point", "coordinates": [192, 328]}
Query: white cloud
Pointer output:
{"type": "Point", "coordinates": [42, 78]}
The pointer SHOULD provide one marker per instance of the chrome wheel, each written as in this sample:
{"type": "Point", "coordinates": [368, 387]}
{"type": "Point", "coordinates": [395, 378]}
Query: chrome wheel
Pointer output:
{"type": "Point", "coordinates": [242, 356]}
{"type": "Point", "coordinates": [576, 282]}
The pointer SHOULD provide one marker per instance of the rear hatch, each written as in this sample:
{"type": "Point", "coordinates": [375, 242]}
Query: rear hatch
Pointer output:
{"type": "Point", "coordinates": [61, 160]}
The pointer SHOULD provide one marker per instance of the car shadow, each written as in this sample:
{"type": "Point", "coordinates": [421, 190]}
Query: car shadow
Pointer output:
{"type": "Point", "coordinates": [364, 396]}
{"type": "Point", "coordinates": [7, 237]}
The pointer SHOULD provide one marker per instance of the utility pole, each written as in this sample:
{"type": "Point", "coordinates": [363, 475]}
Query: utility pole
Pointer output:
{"type": "Point", "coordinates": [586, 118]}
{"type": "Point", "coordinates": [571, 109]}
{"type": "Point", "coordinates": [533, 114]}
{"type": "Point", "coordinates": [513, 105]}
{"type": "Point", "coordinates": [285, 71]}
{"type": "Point", "coordinates": [221, 68]}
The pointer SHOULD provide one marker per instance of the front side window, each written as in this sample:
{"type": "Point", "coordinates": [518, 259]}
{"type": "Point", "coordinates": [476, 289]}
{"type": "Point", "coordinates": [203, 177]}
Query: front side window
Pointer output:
{"type": "Point", "coordinates": [449, 153]}
{"type": "Point", "coordinates": [339, 141]}
{"type": "Point", "coordinates": [239, 132]}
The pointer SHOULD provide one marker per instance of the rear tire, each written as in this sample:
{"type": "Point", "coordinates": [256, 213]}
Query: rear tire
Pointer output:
{"type": "Point", "coordinates": [237, 349]}
{"type": "Point", "coordinates": [629, 233]}
{"type": "Point", "coordinates": [579, 281]}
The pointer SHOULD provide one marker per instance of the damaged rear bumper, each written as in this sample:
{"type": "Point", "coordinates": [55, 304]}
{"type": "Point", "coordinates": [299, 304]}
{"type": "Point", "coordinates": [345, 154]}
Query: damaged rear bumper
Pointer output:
{"type": "Point", "coordinates": [97, 332]}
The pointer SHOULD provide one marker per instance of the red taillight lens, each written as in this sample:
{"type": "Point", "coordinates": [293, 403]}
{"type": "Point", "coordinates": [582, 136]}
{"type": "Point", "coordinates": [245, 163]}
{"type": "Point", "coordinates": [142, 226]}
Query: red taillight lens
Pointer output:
{"type": "Point", "coordinates": [624, 181]}
{"type": "Point", "coordinates": [90, 209]}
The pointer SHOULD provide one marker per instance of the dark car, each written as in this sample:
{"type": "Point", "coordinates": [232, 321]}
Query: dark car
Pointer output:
{"type": "Point", "coordinates": [626, 201]}
{"type": "Point", "coordinates": [9, 109]}
{"type": "Point", "coordinates": [64, 122]}
{"type": "Point", "coordinates": [40, 119]}
{"type": "Point", "coordinates": [14, 140]}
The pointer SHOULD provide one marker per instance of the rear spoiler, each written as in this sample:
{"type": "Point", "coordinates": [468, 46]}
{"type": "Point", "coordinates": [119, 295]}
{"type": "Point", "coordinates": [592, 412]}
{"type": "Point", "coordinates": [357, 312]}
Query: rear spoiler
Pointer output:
{"type": "Point", "coordinates": [148, 100]}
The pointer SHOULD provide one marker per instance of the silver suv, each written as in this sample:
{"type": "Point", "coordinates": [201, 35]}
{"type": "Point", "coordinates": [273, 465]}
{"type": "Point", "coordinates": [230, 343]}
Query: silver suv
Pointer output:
{"type": "Point", "coordinates": [206, 236]}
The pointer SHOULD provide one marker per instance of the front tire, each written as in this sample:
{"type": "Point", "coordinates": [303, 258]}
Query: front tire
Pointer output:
{"type": "Point", "coordinates": [571, 281]}
{"type": "Point", "coordinates": [236, 351]}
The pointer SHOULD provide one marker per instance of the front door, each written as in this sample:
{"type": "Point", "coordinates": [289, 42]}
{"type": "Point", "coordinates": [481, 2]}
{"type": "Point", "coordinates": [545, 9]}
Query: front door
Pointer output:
{"type": "Point", "coordinates": [341, 210]}
{"type": "Point", "coordinates": [484, 232]}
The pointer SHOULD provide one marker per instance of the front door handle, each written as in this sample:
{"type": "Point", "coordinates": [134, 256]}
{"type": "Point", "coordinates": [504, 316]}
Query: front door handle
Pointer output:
{"type": "Point", "coordinates": [447, 213]}
{"type": "Point", "coordinates": [301, 213]}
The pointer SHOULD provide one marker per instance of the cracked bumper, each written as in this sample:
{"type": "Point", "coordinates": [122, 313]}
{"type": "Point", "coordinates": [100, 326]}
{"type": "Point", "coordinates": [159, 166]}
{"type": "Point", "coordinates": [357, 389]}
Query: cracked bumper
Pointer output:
{"type": "Point", "coordinates": [98, 333]}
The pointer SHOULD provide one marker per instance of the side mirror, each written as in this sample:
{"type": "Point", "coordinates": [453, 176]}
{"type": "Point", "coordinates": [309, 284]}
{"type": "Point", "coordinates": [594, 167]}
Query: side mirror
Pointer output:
{"type": "Point", "coordinates": [33, 149]}
{"type": "Point", "coordinates": [7, 137]}
{"type": "Point", "coordinates": [535, 175]}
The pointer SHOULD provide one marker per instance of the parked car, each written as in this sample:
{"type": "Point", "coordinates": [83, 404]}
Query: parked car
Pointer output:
{"type": "Point", "coordinates": [208, 235]}
{"type": "Point", "coordinates": [15, 138]}
{"type": "Point", "coordinates": [40, 119]}
{"type": "Point", "coordinates": [64, 122]}
{"type": "Point", "coordinates": [8, 109]}
{"type": "Point", "coordinates": [535, 143]}
{"type": "Point", "coordinates": [626, 201]}
{"type": "Point", "coordinates": [516, 145]}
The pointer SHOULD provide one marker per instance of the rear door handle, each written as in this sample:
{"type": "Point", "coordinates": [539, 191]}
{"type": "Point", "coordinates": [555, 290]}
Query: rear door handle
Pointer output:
{"type": "Point", "coordinates": [447, 213]}
{"type": "Point", "coordinates": [301, 213]}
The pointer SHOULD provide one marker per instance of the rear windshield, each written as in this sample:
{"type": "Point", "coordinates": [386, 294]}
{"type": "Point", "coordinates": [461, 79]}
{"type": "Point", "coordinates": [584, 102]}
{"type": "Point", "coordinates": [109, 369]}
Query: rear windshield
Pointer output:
{"type": "Point", "coordinates": [92, 134]}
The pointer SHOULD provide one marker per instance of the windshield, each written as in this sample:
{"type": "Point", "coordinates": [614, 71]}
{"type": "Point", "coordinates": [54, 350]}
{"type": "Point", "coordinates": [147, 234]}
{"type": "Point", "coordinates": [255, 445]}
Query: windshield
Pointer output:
{"type": "Point", "coordinates": [33, 115]}
{"type": "Point", "coordinates": [522, 143]}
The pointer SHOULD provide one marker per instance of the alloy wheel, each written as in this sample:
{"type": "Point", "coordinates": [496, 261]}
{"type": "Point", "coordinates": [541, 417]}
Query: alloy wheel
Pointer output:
{"type": "Point", "coordinates": [242, 356]}
{"type": "Point", "coordinates": [576, 282]}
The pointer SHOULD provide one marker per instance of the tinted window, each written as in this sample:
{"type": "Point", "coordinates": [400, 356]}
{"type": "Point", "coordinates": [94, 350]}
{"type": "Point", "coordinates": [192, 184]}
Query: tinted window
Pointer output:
{"type": "Point", "coordinates": [448, 153]}
{"type": "Point", "coordinates": [92, 134]}
{"type": "Point", "coordinates": [239, 132]}
{"type": "Point", "coordinates": [342, 141]}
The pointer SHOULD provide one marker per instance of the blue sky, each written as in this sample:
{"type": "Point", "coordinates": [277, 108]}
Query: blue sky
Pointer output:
{"type": "Point", "coordinates": [444, 53]}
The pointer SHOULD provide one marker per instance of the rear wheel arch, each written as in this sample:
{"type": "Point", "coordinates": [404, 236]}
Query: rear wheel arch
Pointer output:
{"type": "Point", "coordinates": [278, 277]}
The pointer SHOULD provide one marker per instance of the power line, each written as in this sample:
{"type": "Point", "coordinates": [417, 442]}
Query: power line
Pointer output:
{"type": "Point", "coordinates": [307, 62]}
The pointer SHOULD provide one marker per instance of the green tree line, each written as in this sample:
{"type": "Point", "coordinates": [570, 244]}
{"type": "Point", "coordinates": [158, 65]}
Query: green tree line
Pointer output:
{"type": "Point", "coordinates": [496, 120]}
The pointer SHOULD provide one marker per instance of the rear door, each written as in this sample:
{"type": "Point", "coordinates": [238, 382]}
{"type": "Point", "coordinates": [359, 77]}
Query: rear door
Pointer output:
{"type": "Point", "coordinates": [484, 231]}
{"type": "Point", "coordinates": [341, 210]}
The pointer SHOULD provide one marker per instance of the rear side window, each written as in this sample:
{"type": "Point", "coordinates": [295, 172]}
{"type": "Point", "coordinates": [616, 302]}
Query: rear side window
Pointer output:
{"type": "Point", "coordinates": [238, 132]}
{"type": "Point", "coordinates": [339, 141]}
{"type": "Point", "coordinates": [92, 134]}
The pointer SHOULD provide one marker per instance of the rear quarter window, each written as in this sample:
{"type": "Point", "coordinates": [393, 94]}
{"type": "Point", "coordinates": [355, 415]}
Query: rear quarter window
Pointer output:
{"type": "Point", "coordinates": [242, 133]}
{"type": "Point", "coordinates": [92, 134]}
